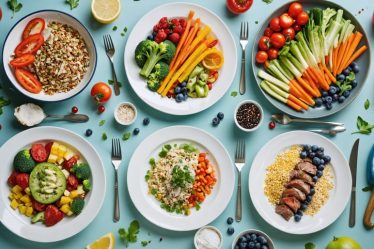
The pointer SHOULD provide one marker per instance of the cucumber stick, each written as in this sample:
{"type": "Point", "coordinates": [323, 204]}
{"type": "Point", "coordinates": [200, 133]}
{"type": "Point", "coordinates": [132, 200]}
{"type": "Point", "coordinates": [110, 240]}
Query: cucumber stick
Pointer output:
{"type": "Point", "coordinates": [263, 75]}
{"type": "Point", "coordinates": [268, 90]}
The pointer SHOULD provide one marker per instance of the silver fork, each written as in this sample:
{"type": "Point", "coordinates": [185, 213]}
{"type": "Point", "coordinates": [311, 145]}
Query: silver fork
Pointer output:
{"type": "Point", "coordinates": [116, 161]}
{"type": "Point", "coordinates": [243, 42]}
{"type": "Point", "coordinates": [109, 49]}
{"type": "Point", "coordinates": [239, 163]}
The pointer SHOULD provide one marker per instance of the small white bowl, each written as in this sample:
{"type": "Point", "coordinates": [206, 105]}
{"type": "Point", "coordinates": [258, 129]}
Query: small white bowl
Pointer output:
{"type": "Point", "coordinates": [117, 109]}
{"type": "Point", "coordinates": [258, 233]}
{"type": "Point", "coordinates": [261, 112]}
{"type": "Point", "coordinates": [212, 228]}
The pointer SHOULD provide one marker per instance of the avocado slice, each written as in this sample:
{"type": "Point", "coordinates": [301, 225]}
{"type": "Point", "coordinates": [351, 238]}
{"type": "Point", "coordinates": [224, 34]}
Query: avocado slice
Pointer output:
{"type": "Point", "coordinates": [47, 183]}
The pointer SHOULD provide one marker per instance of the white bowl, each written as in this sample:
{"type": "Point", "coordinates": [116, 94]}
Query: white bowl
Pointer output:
{"type": "Point", "coordinates": [249, 102]}
{"type": "Point", "coordinates": [208, 227]}
{"type": "Point", "coordinates": [116, 113]}
{"type": "Point", "coordinates": [14, 38]}
{"type": "Point", "coordinates": [258, 232]}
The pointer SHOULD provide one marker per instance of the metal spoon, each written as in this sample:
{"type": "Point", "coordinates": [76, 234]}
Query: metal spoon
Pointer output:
{"type": "Point", "coordinates": [78, 118]}
{"type": "Point", "coordinates": [285, 119]}
{"type": "Point", "coordinates": [332, 132]}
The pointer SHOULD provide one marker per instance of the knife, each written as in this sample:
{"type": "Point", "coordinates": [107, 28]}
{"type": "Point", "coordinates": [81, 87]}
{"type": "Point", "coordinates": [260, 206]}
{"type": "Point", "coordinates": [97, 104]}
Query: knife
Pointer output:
{"type": "Point", "coordinates": [353, 166]}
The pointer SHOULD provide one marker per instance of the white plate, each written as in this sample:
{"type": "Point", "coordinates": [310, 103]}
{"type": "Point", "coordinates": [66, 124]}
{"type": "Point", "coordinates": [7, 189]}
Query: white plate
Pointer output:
{"type": "Point", "coordinates": [144, 28]}
{"type": "Point", "coordinates": [14, 38]}
{"type": "Point", "coordinates": [339, 196]}
{"type": "Point", "coordinates": [20, 224]}
{"type": "Point", "coordinates": [213, 205]}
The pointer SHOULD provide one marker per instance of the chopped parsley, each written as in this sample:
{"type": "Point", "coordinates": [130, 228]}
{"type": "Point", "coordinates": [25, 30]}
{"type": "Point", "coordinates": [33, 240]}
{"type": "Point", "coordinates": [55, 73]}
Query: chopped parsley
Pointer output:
{"type": "Point", "coordinates": [73, 3]}
{"type": "Point", "coordinates": [114, 28]}
{"type": "Point", "coordinates": [104, 136]}
{"type": "Point", "coordinates": [131, 234]}
{"type": "Point", "coordinates": [234, 94]}
{"type": "Point", "coordinates": [367, 104]}
{"type": "Point", "coordinates": [310, 245]}
{"type": "Point", "coordinates": [181, 176]}
{"type": "Point", "coordinates": [367, 189]}
{"type": "Point", "coordinates": [102, 122]}
{"type": "Point", "coordinates": [144, 243]}
{"type": "Point", "coordinates": [267, 1]}
{"type": "Point", "coordinates": [126, 136]}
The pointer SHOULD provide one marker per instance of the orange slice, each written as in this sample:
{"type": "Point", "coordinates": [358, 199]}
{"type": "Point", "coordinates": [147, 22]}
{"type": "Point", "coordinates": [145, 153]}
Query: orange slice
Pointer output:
{"type": "Point", "coordinates": [213, 61]}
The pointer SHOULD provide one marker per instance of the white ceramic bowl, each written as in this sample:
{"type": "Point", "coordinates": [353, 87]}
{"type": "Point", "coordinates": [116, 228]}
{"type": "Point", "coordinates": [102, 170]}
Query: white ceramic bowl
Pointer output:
{"type": "Point", "coordinates": [258, 233]}
{"type": "Point", "coordinates": [249, 102]}
{"type": "Point", "coordinates": [14, 38]}
{"type": "Point", "coordinates": [208, 227]}
{"type": "Point", "coordinates": [125, 104]}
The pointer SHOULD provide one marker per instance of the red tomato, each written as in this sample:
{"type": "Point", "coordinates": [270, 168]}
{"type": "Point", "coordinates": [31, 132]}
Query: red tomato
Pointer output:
{"type": "Point", "coordinates": [38, 206]}
{"type": "Point", "coordinates": [28, 81]}
{"type": "Point", "coordinates": [295, 9]}
{"type": "Point", "coordinates": [23, 60]}
{"type": "Point", "coordinates": [273, 53]}
{"type": "Point", "coordinates": [35, 26]}
{"type": "Point", "coordinates": [261, 57]}
{"type": "Point", "coordinates": [30, 45]}
{"type": "Point", "coordinates": [38, 153]}
{"type": "Point", "coordinates": [72, 182]}
{"type": "Point", "coordinates": [210, 86]}
{"type": "Point", "coordinates": [289, 34]}
{"type": "Point", "coordinates": [238, 6]}
{"type": "Point", "coordinates": [12, 179]}
{"type": "Point", "coordinates": [274, 24]}
{"type": "Point", "coordinates": [52, 215]}
{"type": "Point", "coordinates": [48, 147]}
{"type": "Point", "coordinates": [285, 21]}
{"type": "Point", "coordinates": [264, 43]}
{"type": "Point", "coordinates": [213, 76]}
{"type": "Point", "coordinates": [1, 13]}
{"type": "Point", "coordinates": [22, 180]}
{"type": "Point", "coordinates": [70, 163]}
{"type": "Point", "coordinates": [296, 27]}
{"type": "Point", "coordinates": [302, 18]}
{"type": "Point", "coordinates": [268, 32]}
{"type": "Point", "coordinates": [101, 92]}
{"type": "Point", "coordinates": [277, 40]}
{"type": "Point", "coordinates": [101, 109]}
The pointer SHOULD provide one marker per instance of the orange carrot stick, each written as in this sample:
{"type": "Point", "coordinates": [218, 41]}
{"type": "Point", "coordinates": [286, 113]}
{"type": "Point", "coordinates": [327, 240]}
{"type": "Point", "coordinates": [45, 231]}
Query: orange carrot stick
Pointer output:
{"type": "Point", "coordinates": [293, 105]}
{"type": "Point", "coordinates": [329, 74]}
{"type": "Point", "coordinates": [344, 52]}
{"type": "Point", "coordinates": [356, 55]}
{"type": "Point", "coordinates": [307, 87]}
{"type": "Point", "coordinates": [305, 96]}
{"type": "Point", "coordinates": [298, 102]}
{"type": "Point", "coordinates": [351, 50]}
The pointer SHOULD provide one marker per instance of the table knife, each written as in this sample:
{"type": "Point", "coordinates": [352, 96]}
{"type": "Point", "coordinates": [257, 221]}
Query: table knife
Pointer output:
{"type": "Point", "coordinates": [353, 166]}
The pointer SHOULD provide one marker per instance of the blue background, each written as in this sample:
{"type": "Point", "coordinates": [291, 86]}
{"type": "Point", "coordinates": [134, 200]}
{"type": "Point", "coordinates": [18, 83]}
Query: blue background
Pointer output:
{"type": "Point", "coordinates": [226, 132]}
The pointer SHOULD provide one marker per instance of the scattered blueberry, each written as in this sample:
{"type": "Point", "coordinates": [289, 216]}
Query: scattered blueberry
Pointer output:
{"type": "Point", "coordinates": [88, 132]}
{"type": "Point", "coordinates": [346, 71]}
{"type": "Point", "coordinates": [321, 167]}
{"type": "Point", "coordinates": [154, 33]}
{"type": "Point", "coordinates": [146, 121]}
{"type": "Point", "coordinates": [150, 37]}
{"type": "Point", "coordinates": [230, 231]}
{"type": "Point", "coordinates": [215, 121]}
{"type": "Point", "coordinates": [242, 239]}
{"type": "Point", "coordinates": [136, 131]}
{"type": "Point", "coordinates": [321, 149]}
{"type": "Point", "coordinates": [324, 93]}
{"type": "Point", "coordinates": [319, 154]}
{"type": "Point", "coordinates": [322, 162]}
{"type": "Point", "coordinates": [319, 173]}
{"type": "Point", "coordinates": [329, 99]}
{"type": "Point", "coordinates": [299, 213]}
{"type": "Point", "coordinates": [340, 77]}
{"type": "Point", "coordinates": [333, 90]}
{"type": "Point", "coordinates": [356, 69]}
{"type": "Point", "coordinates": [264, 247]}
{"type": "Point", "coordinates": [179, 97]}
{"type": "Point", "coordinates": [230, 220]}
{"type": "Point", "coordinates": [303, 206]}
{"type": "Point", "coordinates": [242, 245]}
{"type": "Point", "coordinates": [303, 155]}
{"type": "Point", "coordinates": [315, 178]}
{"type": "Point", "coordinates": [324, 100]}
{"type": "Point", "coordinates": [341, 99]}
{"type": "Point", "coordinates": [346, 94]}
{"type": "Point", "coordinates": [354, 83]}
{"type": "Point", "coordinates": [220, 115]}
{"type": "Point", "coordinates": [257, 245]}
{"type": "Point", "coordinates": [312, 191]}
{"type": "Point", "coordinates": [261, 239]}
{"type": "Point", "coordinates": [177, 90]}
{"type": "Point", "coordinates": [326, 158]}
{"type": "Point", "coordinates": [318, 102]}
{"type": "Point", "coordinates": [297, 218]}
{"type": "Point", "coordinates": [316, 161]}
{"type": "Point", "coordinates": [353, 64]}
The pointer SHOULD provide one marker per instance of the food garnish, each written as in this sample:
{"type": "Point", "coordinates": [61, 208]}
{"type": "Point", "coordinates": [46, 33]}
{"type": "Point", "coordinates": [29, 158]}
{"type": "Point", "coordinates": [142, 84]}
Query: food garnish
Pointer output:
{"type": "Point", "coordinates": [73, 3]}
{"type": "Point", "coordinates": [3, 102]}
{"type": "Point", "coordinates": [15, 6]}
{"type": "Point", "coordinates": [367, 104]}
{"type": "Point", "coordinates": [363, 126]}
{"type": "Point", "coordinates": [131, 234]}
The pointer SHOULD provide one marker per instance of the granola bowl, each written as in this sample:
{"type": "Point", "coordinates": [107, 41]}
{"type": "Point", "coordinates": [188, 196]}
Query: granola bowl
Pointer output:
{"type": "Point", "coordinates": [63, 56]}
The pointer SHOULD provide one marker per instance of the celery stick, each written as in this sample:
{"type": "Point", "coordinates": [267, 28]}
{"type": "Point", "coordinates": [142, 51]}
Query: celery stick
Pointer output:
{"type": "Point", "coordinates": [263, 75]}
{"type": "Point", "coordinates": [269, 91]}
{"type": "Point", "coordinates": [277, 90]}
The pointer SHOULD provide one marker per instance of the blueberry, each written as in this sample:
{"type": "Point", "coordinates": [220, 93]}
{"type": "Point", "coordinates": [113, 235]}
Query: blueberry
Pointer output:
{"type": "Point", "coordinates": [312, 191]}
{"type": "Point", "coordinates": [319, 154]}
{"type": "Point", "coordinates": [326, 158]}
{"type": "Point", "coordinates": [185, 97]}
{"type": "Point", "coordinates": [236, 247]}
{"type": "Point", "coordinates": [316, 161]}
{"type": "Point", "coordinates": [318, 102]}
{"type": "Point", "coordinates": [303, 206]}
{"type": "Point", "coordinates": [146, 121]}
{"type": "Point", "coordinates": [220, 115]}
{"type": "Point", "coordinates": [314, 148]}
{"type": "Point", "coordinates": [347, 93]}
{"type": "Point", "coordinates": [136, 131]}
{"type": "Point", "coordinates": [179, 98]}
{"type": "Point", "coordinates": [308, 198]}
{"type": "Point", "coordinates": [184, 90]}
{"type": "Point", "coordinates": [325, 94]}
{"type": "Point", "coordinates": [303, 155]}
{"type": "Point", "coordinates": [312, 155]}
{"type": "Point", "coordinates": [340, 77]}
{"type": "Point", "coordinates": [328, 106]}
{"type": "Point", "coordinates": [354, 83]}
{"type": "Point", "coordinates": [315, 178]}
{"type": "Point", "coordinates": [248, 237]}
{"type": "Point", "coordinates": [242, 239]}
{"type": "Point", "coordinates": [335, 97]}
{"type": "Point", "coordinates": [299, 213]}
{"type": "Point", "coordinates": [321, 149]}
{"type": "Point", "coordinates": [215, 121]}
{"type": "Point", "coordinates": [177, 90]}
{"type": "Point", "coordinates": [230, 220]}
{"type": "Point", "coordinates": [322, 162]}
{"type": "Point", "coordinates": [230, 231]}
{"type": "Point", "coordinates": [183, 84]}
{"type": "Point", "coordinates": [264, 247]}
{"type": "Point", "coordinates": [356, 69]}
{"type": "Point", "coordinates": [319, 173]}
{"type": "Point", "coordinates": [333, 90]}
{"type": "Point", "coordinates": [251, 245]}
{"type": "Point", "coordinates": [306, 147]}
{"type": "Point", "coordinates": [261, 239]}
{"type": "Point", "coordinates": [257, 245]}
{"type": "Point", "coordinates": [328, 99]}
{"type": "Point", "coordinates": [154, 33]}
{"type": "Point", "coordinates": [341, 99]}
{"type": "Point", "coordinates": [88, 132]}
{"type": "Point", "coordinates": [297, 218]}
{"type": "Point", "coordinates": [242, 245]}
{"type": "Point", "coordinates": [353, 64]}
{"type": "Point", "coordinates": [150, 37]}
{"type": "Point", "coordinates": [346, 71]}
{"type": "Point", "coordinates": [253, 237]}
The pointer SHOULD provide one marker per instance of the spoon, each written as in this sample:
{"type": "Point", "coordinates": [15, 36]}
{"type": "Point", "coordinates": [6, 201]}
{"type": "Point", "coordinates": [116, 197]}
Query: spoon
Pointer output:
{"type": "Point", "coordinates": [285, 119]}
{"type": "Point", "coordinates": [77, 118]}
{"type": "Point", "coordinates": [332, 132]}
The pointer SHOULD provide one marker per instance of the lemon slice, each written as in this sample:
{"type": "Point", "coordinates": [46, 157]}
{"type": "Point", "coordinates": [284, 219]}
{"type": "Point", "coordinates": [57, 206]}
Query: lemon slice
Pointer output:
{"type": "Point", "coordinates": [105, 242]}
{"type": "Point", "coordinates": [213, 61]}
{"type": "Point", "coordinates": [105, 11]}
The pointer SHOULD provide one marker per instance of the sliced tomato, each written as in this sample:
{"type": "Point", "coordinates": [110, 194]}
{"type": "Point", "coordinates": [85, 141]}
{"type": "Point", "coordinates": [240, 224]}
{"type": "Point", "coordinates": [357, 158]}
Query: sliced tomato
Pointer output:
{"type": "Point", "coordinates": [38, 153]}
{"type": "Point", "coordinates": [28, 81]}
{"type": "Point", "coordinates": [48, 147]}
{"type": "Point", "coordinates": [38, 206]}
{"type": "Point", "coordinates": [71, 162]}
{"type": "Point", "coordinates": [22, 180]}
{"type": "Point", "coordinates": [72, 182]}
{"type": "Point", "coordinates": [23, 60]}
{"type": "Point", "coordinates": [30, 45]}
{"type": "Point", "coordinates": [35, 26]}
{"type": "Point", "coordinates": [12, 179]}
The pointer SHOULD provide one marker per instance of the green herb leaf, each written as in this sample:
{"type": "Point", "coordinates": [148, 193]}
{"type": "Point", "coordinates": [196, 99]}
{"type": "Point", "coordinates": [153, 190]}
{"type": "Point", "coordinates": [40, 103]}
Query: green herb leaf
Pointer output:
{"type": "Point", "coordinates": [367, 189]}
{"type": "Point", "coordinates": [152, 162]}
{"type": "Point", "coordinates": [167, 147]}
{"type": "Point", "coordinates": [234, 93]}
{"type": "Point", "coordinates": [111, 82]}
{"type": "Point", "coordinates": [363, 126]}
{"type": "Point", "coordinates": [351, 76]}
{"type": "Point", "coordinates": [188, 148]}
{"type": "Point", "coordinates": [144, 243]}
{"type": "Point", "coordinates": [125, 29]}
{"type": "Point", "coordinates": [198, 206]}
{"type": "Point", "coordinates": [267, 1]}
{"type": "Point", "coordinates": [3, 102]}
{"type": "Point", "coordinates": [367, 104]}
{"type": "Point", "coordinates": [122, 34]}
{"type": "Point", "coordinates": [73, 3]}
{"type": "Point", "coordinates": [104, 136]}
{"type": "Point", "coordinates": [14, 6]}
{"type": "Point", "coordinates": [256, 22]}
{"type": "Point", "coordinates": [102, 122]}
{"type": "Point", "coordinates": [310, 245]}
{"type": "Point", "coordinates": [131, 235]}
{"type": "Point", "coordinates": [114, 28]}
{"type": "Point", "coordinates": [162, 153]}
{"type": "Point", "coordinates": [126, 136]}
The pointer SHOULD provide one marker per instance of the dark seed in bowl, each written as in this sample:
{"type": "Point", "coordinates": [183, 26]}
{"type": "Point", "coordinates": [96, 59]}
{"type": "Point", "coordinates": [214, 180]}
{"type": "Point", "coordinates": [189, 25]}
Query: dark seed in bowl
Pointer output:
{"type": "Point", "coordinates": [248, 116]}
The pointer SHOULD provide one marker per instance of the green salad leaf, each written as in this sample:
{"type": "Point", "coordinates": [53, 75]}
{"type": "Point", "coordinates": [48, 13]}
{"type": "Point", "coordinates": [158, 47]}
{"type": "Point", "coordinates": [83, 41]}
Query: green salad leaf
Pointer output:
{"type": "Point", "coordinates": [363, 126]}
{"type": "Point", "coordinates": [188, 148]}
{"type": "Point", "coordinates": [14, 5]}
{"type": "Point", "coordinates": [73, 3]}
{"type": "Point", "coordinates": [102, 122]}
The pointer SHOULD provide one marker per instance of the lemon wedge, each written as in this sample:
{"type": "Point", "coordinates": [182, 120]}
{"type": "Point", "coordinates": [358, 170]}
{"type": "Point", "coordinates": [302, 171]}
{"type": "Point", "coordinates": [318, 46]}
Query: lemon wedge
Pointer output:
{"type": "Point", "coordinates": [213, 61]}
{"type": "Point", "coordinates": [105, 242]}
{"type": "Point", "coordinates": [105, 11]}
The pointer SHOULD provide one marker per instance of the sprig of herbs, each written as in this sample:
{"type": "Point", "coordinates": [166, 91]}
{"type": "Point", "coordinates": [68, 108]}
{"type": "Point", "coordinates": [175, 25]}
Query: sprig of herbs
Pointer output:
{"type": "Point", "coordinates": [102, 122]}
{"type": "Point", "coordinates": [346, 84]}
{"type": "Point", "coordinates": [144, 243]}
{"type": "Point", "coordinates": [367, 104]}
{"type": "Point", "coordinates": [104, 136]}
{"type": "Point", "coordinates": [73, 3]}
{"type": "Point", "coordinates": [363, 126]}
{"type": "Point", "coordinates": [367, 188]}
{"type": "Point", "coordinates": [111, 82]}
{"type": "Point", "coordinates": [3, 102]}
{"type": "Point", "coordinates": [15, 6]}
{"type": "Point", "coordinates": [234, 94]}
{"type": "Point", "coordinates": [131, 234]}
{"type": "Point", "coordinates": [126, 136]}
{"type": "Point", "coordinates": [310, 245]}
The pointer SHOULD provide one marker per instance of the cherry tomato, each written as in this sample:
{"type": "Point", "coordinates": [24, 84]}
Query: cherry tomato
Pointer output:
{"type": "Point", "coordinates": [285, 21]}
{"type": "Point", "coordinates": [296, 27]}
{"type": "Point", "coordinates": [238, 6]}
{"type": "Point", "coordinates": [101, 109]}
{"type": "Point", "coordinates": [268, 32]}
{"type": "Point", "coordinates": [277, 40]}
{"type": "Point", "coordinates": [48, 147]}
{"type": "Point", "coordinates": [30, 45]}
{"type": "Point", "coordinates": [289, 34]}
{"type": "Point", "coordinates": [295, 9]}
{"type": "Point", "coordinates": [23, 60]}
{"type": "Point", "coordinates": [302, 18]}
{"type": "Point", "coordinates": [101, 92]}
{"type": "Point", "coordinates": [38, 206]}
{"type": "Point", "coordinates": [274, 24]}
{"type": "Point", "coordinates": [35, 26]}
{"type": "Point", "coordinates": [264, 43]}
{"type": "Point", "coordinates": [261, 57]}
{"type": "Point", "coordinates": [70, 163]}
{"type": "Point", "coordinates": [22, 180]}
{"type": "Point", "coordinates": [273, 53]}
{"type": "Point", "coordinates": [28, 81]}
{"type": "Point", "coordinates": [12, 179]}
{"type": "Point", "coordinates": [1, 13]}
{"type": "Point", "coordinates": [74, 109]}
{"type": "Point", "coordinates": [72, 182]}
{"type": "Point", "coordinates": [52, 215]}
{"type": "Point", "coordinates": [38, 153]}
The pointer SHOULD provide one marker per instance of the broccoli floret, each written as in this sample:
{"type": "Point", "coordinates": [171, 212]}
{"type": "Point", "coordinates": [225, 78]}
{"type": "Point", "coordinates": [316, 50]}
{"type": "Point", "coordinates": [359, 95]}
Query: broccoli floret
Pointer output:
{"type": "Point", "coordinates": [141, 52]}
{"type": "Point", "coordinates": [82, 171]}
{"type": "Point", "coordinates": [153, 83]}
{"type": "Point", "coordinates": [156, 52]}
{"type": "Point", "coordinates": [161, 70]}
{"type": "Point", "coordinates": [77, 206]}
{"type": "Point", "coordinates": [23, 162]}
{"type": "Point", "coordinates": [87, 185]}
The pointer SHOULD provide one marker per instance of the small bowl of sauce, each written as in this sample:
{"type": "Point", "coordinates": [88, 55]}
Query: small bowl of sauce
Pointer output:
{"type": "Point", "coordinates": [125, 113]}
{"type": "Point", "coordinates": [248, 115]}
{"type": "Point", "coordinates": [208, 237]}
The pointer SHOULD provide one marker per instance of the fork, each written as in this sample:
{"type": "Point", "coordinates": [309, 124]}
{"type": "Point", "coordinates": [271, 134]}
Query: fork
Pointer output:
{"type": "Point", "coordinates": [243, 42]}
{"type": "Point", "coordinates": [109, 49]}
{"type": "Point", "coordinates": [116, 161]}
{"type": "Point", "coordinates": [239, 163]}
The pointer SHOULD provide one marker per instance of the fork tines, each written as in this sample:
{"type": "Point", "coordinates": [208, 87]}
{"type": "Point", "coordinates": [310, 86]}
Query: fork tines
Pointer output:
{"type": "Point", "coordinates": [108, 43]}
{"type": "Point", "coordinates": [116, 148]}
{"type": "Point", "coordinates": [240, 150]}
{"type": "Point", "coordinates": [244, 30]}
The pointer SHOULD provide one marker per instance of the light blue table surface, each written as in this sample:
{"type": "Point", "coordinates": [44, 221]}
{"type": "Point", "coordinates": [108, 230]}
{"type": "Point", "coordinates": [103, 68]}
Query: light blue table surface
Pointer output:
{"type": "Point", "coordinates": [226, 132]}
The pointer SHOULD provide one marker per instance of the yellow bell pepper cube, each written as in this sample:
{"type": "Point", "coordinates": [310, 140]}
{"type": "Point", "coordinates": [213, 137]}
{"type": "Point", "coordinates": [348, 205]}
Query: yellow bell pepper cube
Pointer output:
{"type": "Point", "coordinates": [25, 199]}
{"type": "Point", "coordinates": [29, 211]}
{"type": "Point", "coordinates": [17, 196]}
{"type": "Point", "coordinates": [16, 189]}
{"type": "Point", "coordinates": [14, 204]}
{"type": "Point", "coordinates": [28, 204]}
{"type": "Point", "coordinates": [65, 200]}
{"type": "Point", "coordinates": [22, 209]}
{"type": "Point", "coordinates": [74, 194]}
{"type": "Point", "coordinates": [65, 208]}
{"type": "Point", "coordinates": [11, 196]}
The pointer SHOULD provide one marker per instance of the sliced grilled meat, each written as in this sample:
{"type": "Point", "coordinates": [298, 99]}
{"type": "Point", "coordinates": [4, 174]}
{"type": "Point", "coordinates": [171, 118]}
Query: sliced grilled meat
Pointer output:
{"type": "Point", "coordinates": [291, 202]}
{"type": "Point", "coordinates": [284, 211]}
{"type": "Point", "coordinates": [295, 193]}
{"type": "Point", "coordinates": [299, 174]}
{"type": "Point", "coordinates": [300, 185]}
{"type": "Point", "coordinates": [307, 167]}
